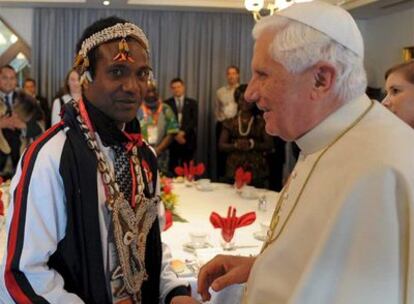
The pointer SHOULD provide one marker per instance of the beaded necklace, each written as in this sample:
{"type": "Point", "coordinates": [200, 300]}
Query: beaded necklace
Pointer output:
{"type": "Point", "coordinates": [249, 125]}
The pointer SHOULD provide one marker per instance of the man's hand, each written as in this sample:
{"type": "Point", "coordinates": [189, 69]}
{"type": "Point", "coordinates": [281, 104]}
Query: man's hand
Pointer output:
{"type": "Point", "coordinates": [183, 300]}
{"type": "Point", "coordinates": [222, 271]}
{"type": "Point", "coordinates": [180, 137]}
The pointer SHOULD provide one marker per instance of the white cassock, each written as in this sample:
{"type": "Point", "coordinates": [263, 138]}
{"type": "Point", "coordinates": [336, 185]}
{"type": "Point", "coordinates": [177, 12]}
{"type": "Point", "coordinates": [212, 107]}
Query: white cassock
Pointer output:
{"type": "Point", "coordinates": [350, 238]}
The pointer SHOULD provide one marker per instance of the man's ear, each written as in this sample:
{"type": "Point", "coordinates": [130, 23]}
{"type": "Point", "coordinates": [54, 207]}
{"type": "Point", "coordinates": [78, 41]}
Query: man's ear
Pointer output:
{"type": "Point", "coordinates": [324, 77]}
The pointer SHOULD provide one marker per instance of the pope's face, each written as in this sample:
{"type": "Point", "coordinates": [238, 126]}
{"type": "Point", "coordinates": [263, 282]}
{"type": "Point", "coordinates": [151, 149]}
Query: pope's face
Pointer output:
{"type": "Point", "coordinates": [400, 97]}
{"type": "Point", "coordinates": [283, 96]}
{"type": "Point", "coordinates": [119, 87]}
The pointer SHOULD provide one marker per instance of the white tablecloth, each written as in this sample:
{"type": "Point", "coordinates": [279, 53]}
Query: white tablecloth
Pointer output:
{"type": "Point", "coordinates": [196, 206]}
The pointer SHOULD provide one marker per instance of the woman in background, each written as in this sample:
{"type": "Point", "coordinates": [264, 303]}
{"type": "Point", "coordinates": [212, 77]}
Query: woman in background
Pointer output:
{"type": "Point", "coordinates": [399, 86]}
{"type": "Point", "coordinates": [72, 90]}
{"type": "Point", "coordinates": [245, 141]}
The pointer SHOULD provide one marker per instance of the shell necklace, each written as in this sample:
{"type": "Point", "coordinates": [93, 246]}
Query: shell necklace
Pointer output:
{"type": "Point", "coordinates": [131, 225]}
{"type": "Point", "coordinates": [249, 125]}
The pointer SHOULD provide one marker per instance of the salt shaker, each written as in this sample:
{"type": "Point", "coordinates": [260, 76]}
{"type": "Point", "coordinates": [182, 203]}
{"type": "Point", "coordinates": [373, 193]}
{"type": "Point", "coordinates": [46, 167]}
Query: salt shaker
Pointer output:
{"type": "Point", "coordinates": [262, 206]}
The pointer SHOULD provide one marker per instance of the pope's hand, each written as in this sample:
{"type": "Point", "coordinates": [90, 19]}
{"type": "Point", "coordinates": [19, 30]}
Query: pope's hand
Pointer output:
{"type": "Point", "coordinates": [222, 271]}
{"type": "Point", "coordinates": [183, 300]}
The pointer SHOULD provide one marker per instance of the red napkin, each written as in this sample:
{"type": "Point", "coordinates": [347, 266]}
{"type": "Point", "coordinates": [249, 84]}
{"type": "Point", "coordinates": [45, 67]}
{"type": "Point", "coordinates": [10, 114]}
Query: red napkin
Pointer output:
{"type": "Point", "coordinates": [168, 220]}
{"type": "Point", "coordinates": [242, 177]}
{"type": "Point", "coordinates": [190, 171]}
{"type": "Point", "coordinates": [230, 223]}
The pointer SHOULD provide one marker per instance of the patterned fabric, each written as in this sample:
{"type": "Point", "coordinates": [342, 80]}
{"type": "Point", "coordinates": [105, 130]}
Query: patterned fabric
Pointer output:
{"type": "Point", "coordinates": [166, 124]}
{"type": "Point", "coordinates": [252, 160]}
{"type": "Point", "coordinates": [122, 171]}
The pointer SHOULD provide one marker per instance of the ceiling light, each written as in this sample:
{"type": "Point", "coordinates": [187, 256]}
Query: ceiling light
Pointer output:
{"type": "Point", "coordinates": [106, 2]}
{"type": "Point", "coordinates": [21, 56]}
{"type": "Point", "coordinates": [261, 8]}
{"type": "Point", "coordinates": [13, 38]}
{"type": "Point", "coordinates": [2, 39]}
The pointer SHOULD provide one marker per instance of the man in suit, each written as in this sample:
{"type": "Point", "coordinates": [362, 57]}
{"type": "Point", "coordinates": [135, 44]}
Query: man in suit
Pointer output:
{"type": "Point", "coordinates": [10, 123]}
{"type": "Point", "coordinates": [186, 110]}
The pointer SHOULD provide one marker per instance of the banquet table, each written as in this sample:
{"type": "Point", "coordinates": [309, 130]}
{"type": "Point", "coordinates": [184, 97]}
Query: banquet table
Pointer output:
{"type": "Point", "coordinates": [195, 205]}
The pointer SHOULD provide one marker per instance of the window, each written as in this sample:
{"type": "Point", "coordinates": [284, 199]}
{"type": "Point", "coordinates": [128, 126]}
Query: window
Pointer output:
{"type": "Point", "coordinates": [14, 51]}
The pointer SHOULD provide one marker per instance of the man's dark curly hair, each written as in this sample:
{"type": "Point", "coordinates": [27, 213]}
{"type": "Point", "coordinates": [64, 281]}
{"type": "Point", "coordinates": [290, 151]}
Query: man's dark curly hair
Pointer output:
{"type": "Point", "coordinates": [96, 27]}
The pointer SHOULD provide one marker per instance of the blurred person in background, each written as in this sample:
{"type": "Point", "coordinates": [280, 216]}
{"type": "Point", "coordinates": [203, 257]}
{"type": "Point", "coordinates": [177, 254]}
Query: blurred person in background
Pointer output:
{"type": "Point", "coordinates": [183, 147]}
{"type": "Point", "coordinates": [245, 141]}
{"type": "Point", "coordinates": [158, 126]}
{"type": "Point", "coordinates": [20, 121]}
{"type": "Point", "coordinates": [225, 108]}
{"type": "Point", "coordinates": [29, 86]}
{"type": "Point", "coordinates": [399, 87]}
{"type": "Point", "coordinates": [71, 90]}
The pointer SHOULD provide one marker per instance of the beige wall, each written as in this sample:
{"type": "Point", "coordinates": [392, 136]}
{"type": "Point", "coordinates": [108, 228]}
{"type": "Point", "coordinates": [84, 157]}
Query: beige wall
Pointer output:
{"type": "Point", "coordinates": [384, 39]}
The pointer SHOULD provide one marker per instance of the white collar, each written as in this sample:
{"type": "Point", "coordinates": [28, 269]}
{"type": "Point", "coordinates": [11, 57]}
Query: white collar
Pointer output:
{"type": "Point", "coordinates": [327, 130]}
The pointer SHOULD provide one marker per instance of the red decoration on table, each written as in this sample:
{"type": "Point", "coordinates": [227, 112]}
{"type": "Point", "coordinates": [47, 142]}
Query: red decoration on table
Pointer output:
{"type": "Point", "coordinates": [230, 223]}
{"type": "Point", "coordinates": [168, 220]}
{"type": "Point", "coordinates": [242, 177]}
{"type": "Point", "coordinates": [190, 171]}
{"type": "Point", "coordinates": [170, 201]}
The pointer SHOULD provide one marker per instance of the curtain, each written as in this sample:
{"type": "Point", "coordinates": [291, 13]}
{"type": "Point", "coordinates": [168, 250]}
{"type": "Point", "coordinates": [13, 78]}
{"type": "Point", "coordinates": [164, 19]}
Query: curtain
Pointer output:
{"type": "Point", "coordinates": [195, 46]}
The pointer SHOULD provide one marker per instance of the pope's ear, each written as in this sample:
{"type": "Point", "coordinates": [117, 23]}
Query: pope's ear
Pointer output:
{"type": "Point", "coordinates": [324, 75]}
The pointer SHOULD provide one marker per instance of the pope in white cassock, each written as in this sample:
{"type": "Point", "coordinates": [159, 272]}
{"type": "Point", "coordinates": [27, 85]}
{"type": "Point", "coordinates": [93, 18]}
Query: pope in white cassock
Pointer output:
{"type": "Point", "coordinates": [343, 228]}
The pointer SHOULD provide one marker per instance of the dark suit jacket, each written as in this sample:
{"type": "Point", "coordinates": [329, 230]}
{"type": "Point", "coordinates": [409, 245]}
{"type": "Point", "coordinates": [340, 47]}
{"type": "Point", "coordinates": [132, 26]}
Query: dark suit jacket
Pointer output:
{"type": "Point", "coordinates": [188, 122]}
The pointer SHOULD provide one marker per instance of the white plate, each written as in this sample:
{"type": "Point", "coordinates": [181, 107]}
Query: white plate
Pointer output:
{"type": "Point", "coordinates": [178, 180]}
{"type": "Point", "coordinates": [191, 247]}
{"type": "Point", "coordinates": [210, 187]}
{"type": "Point", "coordinates": [259, 235]}
{"type": "Point", "coordinates": [249, 195]}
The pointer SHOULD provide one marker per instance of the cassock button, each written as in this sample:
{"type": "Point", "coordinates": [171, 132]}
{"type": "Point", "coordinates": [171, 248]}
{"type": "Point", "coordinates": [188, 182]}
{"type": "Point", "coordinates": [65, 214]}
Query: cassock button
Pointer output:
{"type": "Point", "coordinates": [294, 174]}
{"type": "Point", "coordinates": [285, 196]}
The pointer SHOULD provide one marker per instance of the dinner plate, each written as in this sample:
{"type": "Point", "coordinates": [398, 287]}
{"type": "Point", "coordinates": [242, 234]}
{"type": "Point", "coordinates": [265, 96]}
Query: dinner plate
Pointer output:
{"type": "Point", "coordinates": [209, 187]}
{"type": "Point", "coordinates": [249, 195]}
{"type": "Point", "coordinates": [191, 246]}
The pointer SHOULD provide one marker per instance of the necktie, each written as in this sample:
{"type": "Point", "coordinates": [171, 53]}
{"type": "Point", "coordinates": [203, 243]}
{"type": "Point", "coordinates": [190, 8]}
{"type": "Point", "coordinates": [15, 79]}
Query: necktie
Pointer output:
{"type": "Point", "coordinates": [8, 104]}
{"type": "Point", "coordinates": [179, 105]}
{"type": "Point", "coordinates": [122, 171]}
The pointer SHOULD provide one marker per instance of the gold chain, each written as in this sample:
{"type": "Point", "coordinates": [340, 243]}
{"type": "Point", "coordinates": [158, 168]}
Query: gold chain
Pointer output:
{"type": "Point", "coordinates": [276, 214]}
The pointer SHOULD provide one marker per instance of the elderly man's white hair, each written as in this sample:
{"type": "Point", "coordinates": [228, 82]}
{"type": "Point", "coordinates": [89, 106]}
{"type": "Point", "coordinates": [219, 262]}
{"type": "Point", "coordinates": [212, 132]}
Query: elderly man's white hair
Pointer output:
{"type": "Point", "coordinates": [298, 47]}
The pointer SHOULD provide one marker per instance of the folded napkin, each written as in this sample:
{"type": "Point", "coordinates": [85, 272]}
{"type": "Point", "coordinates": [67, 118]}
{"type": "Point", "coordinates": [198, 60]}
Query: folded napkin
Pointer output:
{"type": "Point", "coordinates": [190, 171]}
{"type": "Point", "coordinates": [230, 223]}
{"type": "Point", "coordinates": [168, 220]}
{"type": "Point", "coordinates": [242, 177]}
